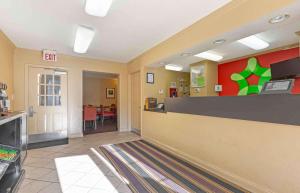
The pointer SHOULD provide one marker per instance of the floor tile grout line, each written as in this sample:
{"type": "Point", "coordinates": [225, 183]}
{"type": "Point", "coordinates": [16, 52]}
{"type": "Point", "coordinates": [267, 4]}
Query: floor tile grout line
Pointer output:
{"type": "Point", "coordinates": [45, 187]}
{"type": "Point", "coordinates": [39, 167]}
{"type": "Point", "coordinates": [42, 180]}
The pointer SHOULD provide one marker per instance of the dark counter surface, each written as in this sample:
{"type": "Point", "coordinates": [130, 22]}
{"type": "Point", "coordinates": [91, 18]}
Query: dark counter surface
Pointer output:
{"type": "Point", "coordinates": [275, 108]}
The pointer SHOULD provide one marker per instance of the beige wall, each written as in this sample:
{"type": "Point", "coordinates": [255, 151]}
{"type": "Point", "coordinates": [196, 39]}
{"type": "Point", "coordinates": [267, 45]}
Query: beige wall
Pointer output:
{"type": "Point", "coordinates": [75, 67]}
{"type": "Point", "coordinates": [94, 91]}
{"type": "Point", "coordinates": [262, 157]}
{"type": "Point", "coordinates": [162, 80]}
{"type": "Point", "coordinates": [6, 63]}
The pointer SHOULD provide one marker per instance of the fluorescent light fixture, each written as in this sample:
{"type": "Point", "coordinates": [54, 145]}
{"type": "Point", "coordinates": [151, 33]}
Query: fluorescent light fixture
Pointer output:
{"type": "Point", "coordinates": [83, 39]}
{"type": "Point", "coordinates": [97, 8]}
{"type": "Point", "coordinates": [254, 42]}
{"type": "Point", "coordinates": [209, 56]}
{"type": "Point", "coordinates": [174, 67]}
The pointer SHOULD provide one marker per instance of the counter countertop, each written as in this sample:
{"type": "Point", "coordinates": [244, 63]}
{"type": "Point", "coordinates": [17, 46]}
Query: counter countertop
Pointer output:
{"type": "Point", "coordinates": [11, 116]}
{"type": "Point", "coordinates": [156, 110]}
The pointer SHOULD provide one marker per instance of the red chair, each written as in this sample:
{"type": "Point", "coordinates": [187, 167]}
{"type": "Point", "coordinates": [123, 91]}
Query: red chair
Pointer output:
{"type": "Point", "coordinates": [89, 114]}
{"type": "Point", "coordinates": [107, 112]}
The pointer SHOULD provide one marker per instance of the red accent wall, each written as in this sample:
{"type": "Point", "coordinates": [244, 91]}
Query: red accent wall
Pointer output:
{"type": "Point", "coordinates": [225, 70]}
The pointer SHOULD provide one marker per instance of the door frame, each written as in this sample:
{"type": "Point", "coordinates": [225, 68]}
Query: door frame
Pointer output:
{"type": "Point", "coordinates": [118, 95]}
{"type": "Point", "coordinates": [26, 88]}
{"type": "Point", "coordinates": [130, 101]}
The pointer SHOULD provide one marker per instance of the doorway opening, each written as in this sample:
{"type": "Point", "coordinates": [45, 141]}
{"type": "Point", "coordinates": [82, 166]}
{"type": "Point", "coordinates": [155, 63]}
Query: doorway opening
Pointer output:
{"type": "Point", "coordinates": [100, 102]}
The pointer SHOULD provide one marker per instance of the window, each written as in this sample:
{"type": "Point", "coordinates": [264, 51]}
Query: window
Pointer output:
{"type": "Point", "coordinates": [49, 92]}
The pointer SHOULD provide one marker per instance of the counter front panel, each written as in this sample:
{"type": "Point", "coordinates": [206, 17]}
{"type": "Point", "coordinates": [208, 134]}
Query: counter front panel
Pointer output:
{"type": "Point", "coordinates": [277, 108]}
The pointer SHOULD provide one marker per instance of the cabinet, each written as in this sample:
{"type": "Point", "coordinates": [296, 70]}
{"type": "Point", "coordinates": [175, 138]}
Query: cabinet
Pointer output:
{"type": "Point", "coordinates": [13, 133]}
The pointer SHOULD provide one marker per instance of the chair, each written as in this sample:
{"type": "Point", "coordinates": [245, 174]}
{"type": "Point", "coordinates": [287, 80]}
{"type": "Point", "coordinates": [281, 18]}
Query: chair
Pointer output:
{"type": "Point", "coordinates": [89, 114]}
{"type": "Point", "coordinates": [107, 112]}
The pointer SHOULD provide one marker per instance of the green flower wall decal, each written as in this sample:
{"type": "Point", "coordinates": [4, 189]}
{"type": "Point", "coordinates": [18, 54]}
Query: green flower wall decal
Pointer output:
{"type": "Point", "coordinates": [253, 67]}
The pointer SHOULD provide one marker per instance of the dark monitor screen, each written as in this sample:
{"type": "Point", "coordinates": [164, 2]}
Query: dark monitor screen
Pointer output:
{"type": "Point", "coordinates": [286, 69]}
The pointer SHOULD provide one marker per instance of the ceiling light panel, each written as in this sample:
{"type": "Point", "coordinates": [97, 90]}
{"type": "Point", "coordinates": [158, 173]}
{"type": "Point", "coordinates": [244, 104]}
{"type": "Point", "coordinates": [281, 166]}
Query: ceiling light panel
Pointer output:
{"type": "Point", "coordinates": [210, 56]}
{"type": "Point", "coordinates": [174, 67]}
{"type": "Point", "coordinates": [97, 8]}
{"type": "Point", "coordinates": [83, 39]}
{"type": "Point", "coordinates": [254, 42]}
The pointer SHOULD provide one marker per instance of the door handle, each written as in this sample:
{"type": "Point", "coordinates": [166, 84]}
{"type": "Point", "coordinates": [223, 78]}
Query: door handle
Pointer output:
{"type": "Point", "coordinates": [31, 112]}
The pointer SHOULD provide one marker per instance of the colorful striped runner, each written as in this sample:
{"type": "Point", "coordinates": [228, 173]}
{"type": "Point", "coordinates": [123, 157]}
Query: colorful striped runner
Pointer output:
{"type": "Point", "coordinates": [148, 168]}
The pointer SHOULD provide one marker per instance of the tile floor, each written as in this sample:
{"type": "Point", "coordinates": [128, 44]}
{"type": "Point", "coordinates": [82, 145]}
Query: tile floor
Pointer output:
{"type": "Point", "coordinates": [78, 167]}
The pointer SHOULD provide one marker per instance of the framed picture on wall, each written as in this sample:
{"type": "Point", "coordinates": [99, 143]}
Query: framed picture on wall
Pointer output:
{"type": "Point", "coordinates": [150, 78]}
{"type": "Point", "coordinates": [110, 93]}
{"type": "Point", "coordinates": [197, 76]}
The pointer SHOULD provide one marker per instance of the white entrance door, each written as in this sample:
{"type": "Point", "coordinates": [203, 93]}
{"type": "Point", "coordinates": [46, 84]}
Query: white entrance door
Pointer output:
{"type": "Point", "coordinates": [47, 99]}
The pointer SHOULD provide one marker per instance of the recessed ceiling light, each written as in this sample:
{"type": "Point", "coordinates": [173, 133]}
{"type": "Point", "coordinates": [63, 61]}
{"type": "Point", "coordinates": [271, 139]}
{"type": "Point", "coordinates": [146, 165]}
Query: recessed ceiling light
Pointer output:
{"type": "Point", "coordinates": [83, 39]}
{"type": "Point", "coordinates": [254, 42]}
{"type": "Point", "coordinates": [209, 56]}
{"type": "Point", "coordinates": [220, 41]}
{"type": "Point", "coordinates": [174, 67]}
{"type": "Point", "coordinates": [279, 18]}
{"type": "Point", "coordinates": [186, 54]}
{"type": "Point", "coordinates": [97, 8]}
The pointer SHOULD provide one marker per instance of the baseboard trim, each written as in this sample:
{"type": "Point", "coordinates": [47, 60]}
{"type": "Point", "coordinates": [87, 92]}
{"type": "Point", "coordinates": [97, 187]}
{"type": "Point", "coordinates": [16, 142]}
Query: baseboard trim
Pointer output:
{"type": "Point", "coordinates": [249, 185]}
{"type": "Point", "coordinates": [48, 143]}
{"type": "Point", "coordinates": [75, 135]}
{"type": "Point", "coordinates": [136, 131]}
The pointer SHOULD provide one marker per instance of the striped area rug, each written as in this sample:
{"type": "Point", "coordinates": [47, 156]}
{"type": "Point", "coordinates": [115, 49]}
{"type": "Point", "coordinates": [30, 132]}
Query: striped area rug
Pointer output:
{"type": "Point", "coordinates": [148, 168]}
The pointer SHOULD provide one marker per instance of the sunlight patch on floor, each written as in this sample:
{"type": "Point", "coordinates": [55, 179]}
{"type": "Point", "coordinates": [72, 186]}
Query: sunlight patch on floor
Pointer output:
{"type": "Point", "coordinates": [81, 174]}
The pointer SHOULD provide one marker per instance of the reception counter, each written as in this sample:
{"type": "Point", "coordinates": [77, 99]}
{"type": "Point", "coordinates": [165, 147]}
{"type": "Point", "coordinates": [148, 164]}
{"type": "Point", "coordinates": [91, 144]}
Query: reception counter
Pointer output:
{"type": "Point", "coordinates": [277, 108]}
{"type": "Point", "coordinates": [252, 141]}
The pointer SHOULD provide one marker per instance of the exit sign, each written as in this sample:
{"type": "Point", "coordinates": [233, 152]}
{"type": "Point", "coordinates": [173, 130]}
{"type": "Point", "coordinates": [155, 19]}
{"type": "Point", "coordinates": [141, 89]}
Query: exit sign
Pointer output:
{"type": "Point", "coordinates": [49, 55]}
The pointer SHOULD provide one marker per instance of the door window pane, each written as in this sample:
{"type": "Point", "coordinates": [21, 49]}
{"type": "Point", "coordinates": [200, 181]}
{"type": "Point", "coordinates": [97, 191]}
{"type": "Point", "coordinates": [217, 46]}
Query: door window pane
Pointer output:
{"type": "Point", "coordinates": [41, 78]}
{"type": "Point", "coordinates": [42, 90]}
{"type": "Point", "coordinates": [49, 100]}
{"type": "Point", "coordinates": [56, 79]}
{"type": "Point", "coordinates": [49, 90]}
{"type": "Point", "coordinates": [57, 90]}
{"type": "Point", "coordinates": [57, 101]}
{"type": "Point", "coordinates": [42, 100]}
{"type": "Point", "coordinates": [49, 79]}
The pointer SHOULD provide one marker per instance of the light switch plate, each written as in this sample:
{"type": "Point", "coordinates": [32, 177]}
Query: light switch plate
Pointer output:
{"type": "Point", "coordinates": [218, 88]}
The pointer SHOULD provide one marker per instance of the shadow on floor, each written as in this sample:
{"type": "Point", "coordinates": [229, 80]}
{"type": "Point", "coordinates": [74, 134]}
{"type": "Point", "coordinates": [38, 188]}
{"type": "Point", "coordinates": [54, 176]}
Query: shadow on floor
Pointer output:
{"type": "Point", "coordinates": [108, 126]}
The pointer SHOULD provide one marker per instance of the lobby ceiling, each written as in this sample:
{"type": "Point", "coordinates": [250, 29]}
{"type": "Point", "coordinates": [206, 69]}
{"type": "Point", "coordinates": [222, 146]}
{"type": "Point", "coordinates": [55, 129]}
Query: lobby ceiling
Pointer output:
{"type": "Point", "coordinates": [130, 28]}
{"type": "Point", "coordinates": [277, 35]}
